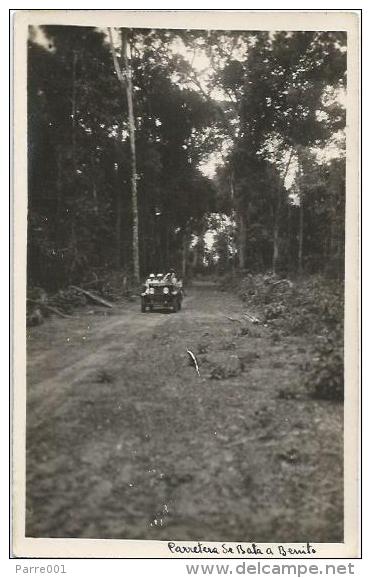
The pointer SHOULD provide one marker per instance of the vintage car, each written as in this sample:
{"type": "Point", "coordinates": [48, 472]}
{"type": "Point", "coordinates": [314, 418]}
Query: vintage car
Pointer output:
{"type": "Point", "coordinates": [162, 295]}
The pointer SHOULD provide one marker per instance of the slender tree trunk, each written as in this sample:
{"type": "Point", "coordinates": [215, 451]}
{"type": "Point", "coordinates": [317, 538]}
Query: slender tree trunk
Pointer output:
{"type": "Point", "coordinates": [167, 263]}
{"type": "Point", "coordinates": [59, 182]}
{"type": "Point", "coordinates": [200, 249]}
{"type": "Point", "coordinates": [120, 253]}
{"type": "Point", "coordinates": [119, 232]}
{"type": "Point", "coordinates": [194, 258]}
{"type": "Point", "coordinates": [288, 256]}
{"type": "Point", "coordinates": [94, 185]}
{"type": "Point", "coordinates": [59, 228]}
{"type": "Point", "coordinates": [276, 222]}
{"type": "Point", "coordinates": [234, 220]}
{"type": "Point", "coordinates": [134, 193]}
{"type": "Point", "coordinates": [126, 83]}
{"type": "Point", "coordinates": [73, 107]}
{"type": "Point", "coordinates": [301, 228]}
{"type": "Point", "coordinates": [275, 244]}
{"type": "Point", "coordinates": [118, 223]}
{"type": "Point", "coordinates": [184, 254]}
{"type": "Point", "coordinates": [301, 210]}
{"type": "Point", "coordinates": [160, 245]}
{"type": "Point", "coordinates": [242, 235]}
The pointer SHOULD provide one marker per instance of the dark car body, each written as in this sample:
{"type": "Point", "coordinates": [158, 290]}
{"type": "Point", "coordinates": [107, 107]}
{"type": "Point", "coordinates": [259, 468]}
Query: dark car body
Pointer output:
{"type": "Point", "coordinates": [161, 295]}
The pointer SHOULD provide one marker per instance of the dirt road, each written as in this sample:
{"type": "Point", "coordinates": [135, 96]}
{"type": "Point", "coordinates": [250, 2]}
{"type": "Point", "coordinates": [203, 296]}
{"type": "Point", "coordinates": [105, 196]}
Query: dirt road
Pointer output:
{"type": "Point", "coordinates": [125, 440]}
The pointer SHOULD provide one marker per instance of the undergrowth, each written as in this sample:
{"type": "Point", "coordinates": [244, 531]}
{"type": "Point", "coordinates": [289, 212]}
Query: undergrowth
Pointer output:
{"type": "Point", "coordinates": [312, 306]}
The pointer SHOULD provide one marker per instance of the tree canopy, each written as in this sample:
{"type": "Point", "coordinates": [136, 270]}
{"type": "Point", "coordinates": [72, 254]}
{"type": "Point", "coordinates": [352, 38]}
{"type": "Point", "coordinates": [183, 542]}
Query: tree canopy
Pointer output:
{"type": "Point", "coordinates": [264, 106]}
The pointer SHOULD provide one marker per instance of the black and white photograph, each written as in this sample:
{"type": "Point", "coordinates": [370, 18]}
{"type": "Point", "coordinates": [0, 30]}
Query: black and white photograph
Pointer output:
{"type": "Point", "coordinates": [187, 192]}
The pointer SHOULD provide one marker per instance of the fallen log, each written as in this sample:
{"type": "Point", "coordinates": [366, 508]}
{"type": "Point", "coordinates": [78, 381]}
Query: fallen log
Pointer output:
{"type": "Point", "coordinates": [49, 308]}
{"type": "Point", "coordinates": [92, 296]}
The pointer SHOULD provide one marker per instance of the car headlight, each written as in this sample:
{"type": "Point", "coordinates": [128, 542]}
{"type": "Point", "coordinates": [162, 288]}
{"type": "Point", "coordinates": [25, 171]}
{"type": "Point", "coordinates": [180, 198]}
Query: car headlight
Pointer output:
{"type": "Point", "coordinates": [166, 290]}
{"type": "Point", "coordinates": [151, 290]}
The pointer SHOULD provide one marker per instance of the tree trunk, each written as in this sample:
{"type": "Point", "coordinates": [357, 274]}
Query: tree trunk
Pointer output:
{"type": "Point", "coordinates": [134, 193]}
{"type": "Point", "coordinates": [118, 227]}
{"type": "Point", "coordinates": [301, 227]}
{"type": "Point", "coordinates": [119, 210]}
{"type": "Point", "coordinates": [184, 254]}
{"type": "Point", "coordinates": [301, 153]}
{"type": "Point", "coordinates": [167, 259]}
{"type": "Point", "coordinates": [59, 185]}
{"type": "Point", "coordinates": [200, 248]}
{"type": "Point", "coordinates": [276, 225]}
{"type": "Point", "coordinates": [73, 108]}
{"type": "Point", "coordinates": [233, 205]}
{"type": "Point", "coordinates": [126, 83]}
{"type": "Point", "coordinates": [275, 245]}
{"type": "Point", "coordinates": [242, 235]}
{"type": "Point", "coordinates": [288, 255]}
{"type": "Point", "coordinates": [59, 230]}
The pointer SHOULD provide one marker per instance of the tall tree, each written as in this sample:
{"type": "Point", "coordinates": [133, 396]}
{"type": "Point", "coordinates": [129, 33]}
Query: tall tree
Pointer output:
{"type": "Point", "coordinates": [127, 86]}
{"type": "Point", "coordinates": [278, 88]}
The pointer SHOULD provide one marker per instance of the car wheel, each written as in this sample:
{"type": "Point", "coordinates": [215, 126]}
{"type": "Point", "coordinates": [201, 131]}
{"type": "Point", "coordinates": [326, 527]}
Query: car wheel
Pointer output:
{"type": "Point", "coordinates": [143, 307]}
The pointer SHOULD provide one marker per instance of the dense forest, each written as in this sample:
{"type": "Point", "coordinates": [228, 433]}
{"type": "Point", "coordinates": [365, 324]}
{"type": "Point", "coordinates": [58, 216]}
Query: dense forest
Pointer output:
{"type": "Point", "coordinates": [203, 150]}
{"type": "Point", "coordinates": [221, 154]}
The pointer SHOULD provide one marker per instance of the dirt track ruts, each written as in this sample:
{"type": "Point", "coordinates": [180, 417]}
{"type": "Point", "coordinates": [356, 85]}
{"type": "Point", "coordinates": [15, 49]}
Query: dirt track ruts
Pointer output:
{"type": "Point", "coordinates": [125, 441]}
